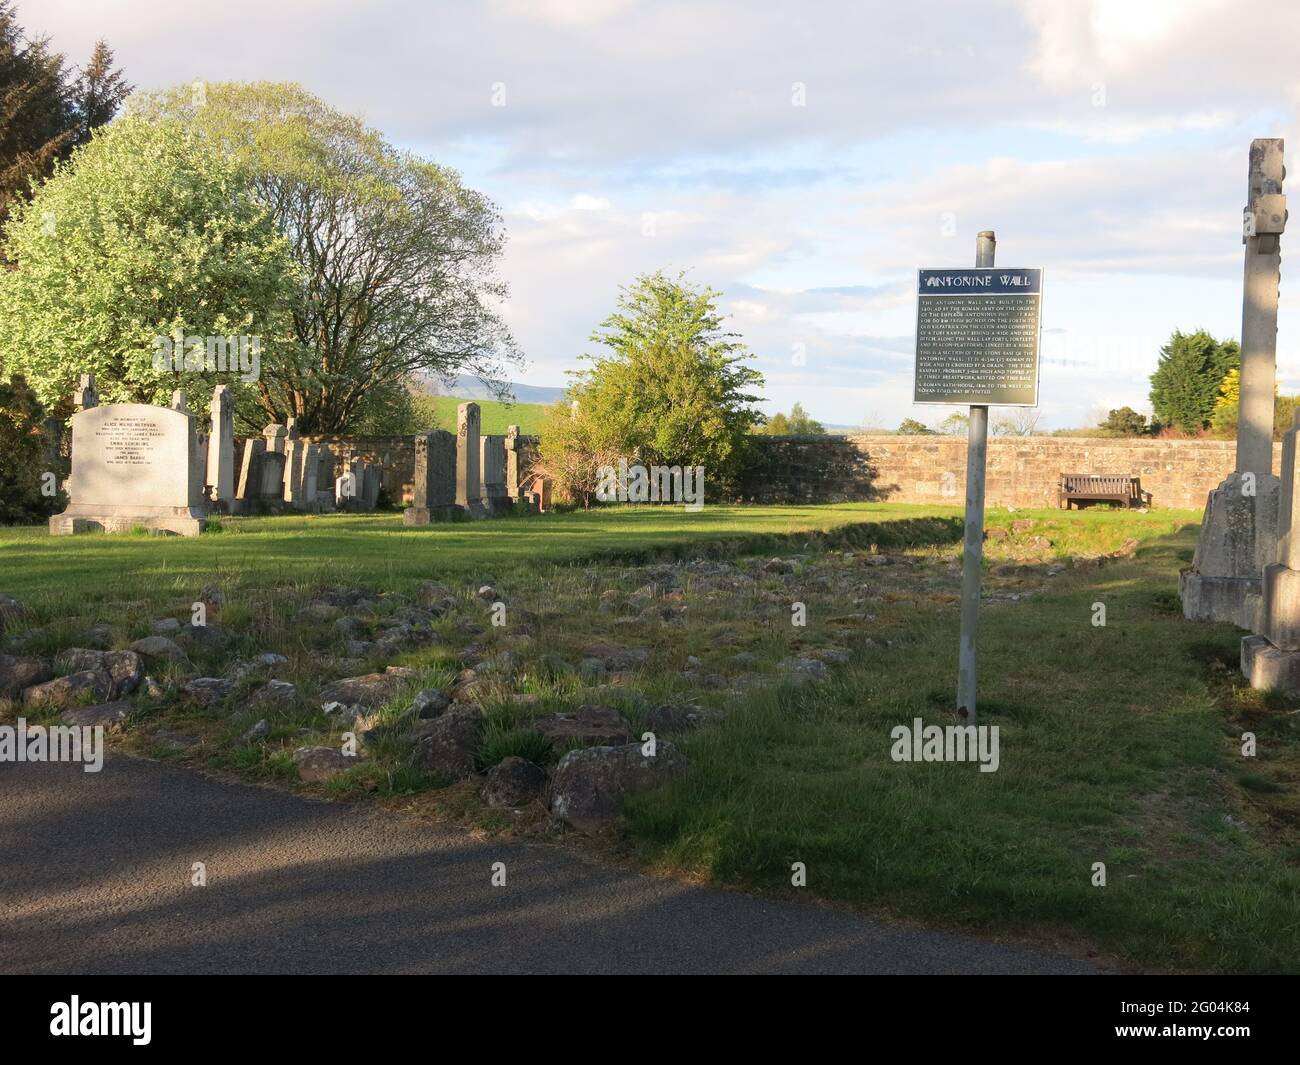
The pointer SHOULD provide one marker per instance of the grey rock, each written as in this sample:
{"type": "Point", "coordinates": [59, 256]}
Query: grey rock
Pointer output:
{"type": "Point", "coordinates": [111, 716]}
{"type": "Point", "coordinates": [590, 784]}
{"type": "Point", "coordinates": [317, 764]}
{"type": "Point", "coordinates": [448, 744]}
{"type": "Point", "coordinates": [270, 658]}
{"type": "Point", "coordinates": [778, 566]}
{"type": "Point", "coordinates": [429, 703]}
{"type": "Point", "coordinates": [275, 692]}
{"type": "Point", "coordinates": [18, 672]}
{"type": "Point", "coordinates": [586, 725]}
{"type": "Point", "coordinates": [161, 648]}
{"type": "Point", "coordinates": [63, 691]}
{"type": "Point", "coordinates": [514, 782]}
{"type": "Point", "coordinates": [804, 668]}
{"type": "Point", "coordinates": [668, 718]}
{"type": "Point", "coordinates": [373, 689]}
{"type": "Point", "coordinates": [165, 626]}
{"type": "Point", "coordinates": [259, 731]}
{"type": "Point", "coordinates": [208, 691]}
{"type": "Point", "coordinates": [319, 611]}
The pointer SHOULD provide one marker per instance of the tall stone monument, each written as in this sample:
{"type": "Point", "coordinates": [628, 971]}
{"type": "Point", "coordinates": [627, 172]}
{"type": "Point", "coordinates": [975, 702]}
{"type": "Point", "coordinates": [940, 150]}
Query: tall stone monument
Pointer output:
{"type": "Point", "coordinates": [1240, 527]}
{"type": "Point", "coordinates": [469, 494]}
{"type": "Point", "coordinates": [221, 449]}
{"type": "Point", "coordinates": [435, 478]}
{"type": "Point", "coordinates": [132, 467]}
{"type": "Point", "coordinates": [492, 466]}
{"type": "Point", "coordinates": [1272, 658]}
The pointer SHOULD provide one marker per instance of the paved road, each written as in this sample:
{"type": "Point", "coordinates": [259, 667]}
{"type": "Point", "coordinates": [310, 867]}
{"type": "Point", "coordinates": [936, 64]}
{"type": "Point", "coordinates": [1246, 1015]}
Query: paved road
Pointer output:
{"type": "Point", "coordinates": [95, 869]}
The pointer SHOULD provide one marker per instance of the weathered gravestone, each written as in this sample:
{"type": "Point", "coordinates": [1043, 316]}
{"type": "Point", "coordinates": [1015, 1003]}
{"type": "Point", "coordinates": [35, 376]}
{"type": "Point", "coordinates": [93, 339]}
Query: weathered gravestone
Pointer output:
{"type": "Point", "coordinates": [435, 478]}
{"type": "Point", "coordinates": [250, 474]}
{"type": "Point", "coordinates": [1239, 530]}
{"type": "Point", "coordinates": [492, 466]}
{"type": "Point", "coordinates": [133, 466]}
{"type": "Point", "coordinates": [1272, 658]}
{"type": "Point", "coordinates": [469, 494]}
{"type": "Point", "coordinates": [221, 449]}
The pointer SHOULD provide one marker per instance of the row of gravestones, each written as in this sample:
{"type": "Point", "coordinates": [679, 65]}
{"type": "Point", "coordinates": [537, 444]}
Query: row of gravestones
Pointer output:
{"type": "Point", "coordinates": [135, 465]}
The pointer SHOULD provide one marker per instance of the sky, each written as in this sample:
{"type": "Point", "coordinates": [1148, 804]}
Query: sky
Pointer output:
{"type": "Point", "coordinates": [805, 159]}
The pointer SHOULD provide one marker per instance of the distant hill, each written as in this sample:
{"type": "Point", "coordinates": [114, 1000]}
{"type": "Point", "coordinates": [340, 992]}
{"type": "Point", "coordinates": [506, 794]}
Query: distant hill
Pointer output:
{"type": "Point", "coordinates": [494, 416]}
{"type": "Point", "coordinates": [466, 386]}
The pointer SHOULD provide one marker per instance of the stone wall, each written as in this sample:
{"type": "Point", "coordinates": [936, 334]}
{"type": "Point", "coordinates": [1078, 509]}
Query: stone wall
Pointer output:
{"type": "Point", "coordinates": [1022, 471]}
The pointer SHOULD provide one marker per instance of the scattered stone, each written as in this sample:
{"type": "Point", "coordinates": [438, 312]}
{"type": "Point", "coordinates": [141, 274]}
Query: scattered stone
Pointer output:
{"type": "Point", "coordinates": [590, 784]}
{"type": "Point", "coordinates": [429, 703]}
{"type": "Point", "coordinates": [778, 566]}
{"type": "Point", "coordinates": [838, 656]}
{"type": "Point", "coordinates": [1022, 525]}
{"type": "Point", "coordinates": [212, 595]}
{"type": "Point", "coordinates": [468, 689]}
{"type": "Point", "coordinates": [373, 689]}
{"type": "Point", "coordinates": [111, 716]}
{"type": "Point", "coordinates": [319, 612]}
{"type": "Point", "coordinates": [165, 626]}
{"type": "Point", "coordinates": [586, 726]}
{"type": "Point", "coordinates": [514, 782]}
{"type": "Point", "coordinates": [744, 660]}
{"type": "Point", "coordinates": [667, 718]}
{"type": "Point", "coordinates": [18, 672]}
{"type": "Point", "coordinates": [1039, 543]}
{"type": "Point", "coordinates": [350, 628]}
{"type": "Point", "coordinates": [997, 533]}
{"type": "Point", "coordinates": [152, 689]}
{"type": "Point", "coordinates": [487, 592]}
{"type": "Point", "coordinates": [208, 691]}
{"type": "Point", "coordinates": [64, 691]}
{"type": "Point", "coordinates": [98, 636]}
{"type": "Point", "coordinates": [316, 764]}
{"type": "Point", "coordinates": [803, 668]}
{"type": "Point", "coordinates": [613, 657]}
{"type": "Point", "coordinates": [160, 647]}
{"type": "Point", "coordinates": [258, 732]}
{"type": "Point", "coordinates": [448, 744]}
{"type": "Point", "coordinates": [277, 692]}
{"type": "Point", "coordinates": [270, 658]}
{"type": "Point", "coordinates": [210, 634]}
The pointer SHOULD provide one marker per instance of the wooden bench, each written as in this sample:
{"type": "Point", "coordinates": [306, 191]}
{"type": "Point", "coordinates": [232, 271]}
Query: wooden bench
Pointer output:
{"type": "Point", "coordinates": [1101, 488]}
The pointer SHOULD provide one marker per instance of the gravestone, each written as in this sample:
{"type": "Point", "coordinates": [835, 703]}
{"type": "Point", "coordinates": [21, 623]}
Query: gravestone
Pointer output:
{"type": "Point", "coordinates": [295, 462]}
{"type": "Point", "coordinates": [492, 465]}
{"type": "Point", "coordinates": [435, 478]}
{"type": "Point", "coordinates": [1271, 659]}
{"type": "Point", "coordinates": [1239, 530]}
{"type": "Point", "coordinates": [86, 396]}
{"type": "Point", "coordinates": [270, 487]}
{"type": "Point", "coordinates": [310, 473]}
{"type": "Point", "coordinates": [325, 496]}
{"type": "Point", "coordinates": [371, 480]}
{"type": "Point", "coordinates": [221, 448]}
{"type": "Point", "coordinates": [132, 467]}
{"type": "Point", "coordinates": [469, 494]}
{"type": "Point", "coordinates": [250, 474]}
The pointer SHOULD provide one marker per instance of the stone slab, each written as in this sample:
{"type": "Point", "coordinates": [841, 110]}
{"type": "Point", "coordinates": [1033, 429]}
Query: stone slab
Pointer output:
{"type": "Point", "coordinates": [1268, 667]}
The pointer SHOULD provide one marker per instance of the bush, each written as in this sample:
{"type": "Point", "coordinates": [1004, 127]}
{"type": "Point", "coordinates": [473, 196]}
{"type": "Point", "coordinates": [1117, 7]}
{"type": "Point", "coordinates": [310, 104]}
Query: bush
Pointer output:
{"type": "Point", "coordinates": [24, 450]}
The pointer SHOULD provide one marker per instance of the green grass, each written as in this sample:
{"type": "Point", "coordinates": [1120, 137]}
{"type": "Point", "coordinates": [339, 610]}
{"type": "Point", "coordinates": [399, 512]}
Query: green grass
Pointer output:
{"type": "Point", "coordinates": [494, 415]}
{"type": "Point", "coordinates": [379, 551]}
{"type": "Point", "coordinates": [1119, 744]}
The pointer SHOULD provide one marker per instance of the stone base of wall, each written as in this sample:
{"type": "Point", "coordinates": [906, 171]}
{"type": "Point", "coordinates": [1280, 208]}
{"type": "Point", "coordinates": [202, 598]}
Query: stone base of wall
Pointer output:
{"type": "Point", "coordinates": [1021, 471]}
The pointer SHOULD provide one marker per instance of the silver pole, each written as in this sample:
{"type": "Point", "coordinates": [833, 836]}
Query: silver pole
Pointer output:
{"type": "Point", "coordinates": [977, 440]}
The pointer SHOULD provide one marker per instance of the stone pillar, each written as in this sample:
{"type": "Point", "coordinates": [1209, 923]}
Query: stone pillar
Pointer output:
{"type": "Point", "coordinates": [1239, 531]}
{"type": "Point", "coordinates": [435, 478]}
{"type": "Point", "coordinates": [1272, 658]}
{"type": "Point", "coordinates": [86, 396]}
{"type": "Point", "coordinates": [221, 448]}
{"type": "Point", "coordinates": [469, 495]}
{"type": "Point", "coordinates": [492, 465]}
{"type": "Point", "coordinates": [295, 454]}
{"type": "Point", "coordinates": [250, 474]}
{"type": "Point", "coordinates": [275, 437]}
{"type": "Point", "coordinates": [512, 463]}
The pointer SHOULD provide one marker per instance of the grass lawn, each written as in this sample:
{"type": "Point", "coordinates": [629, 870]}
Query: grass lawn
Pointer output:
{"type": "Point", "coordinates": [494, 415]}
{"type": "Point", "coordinates": [1120, 743]}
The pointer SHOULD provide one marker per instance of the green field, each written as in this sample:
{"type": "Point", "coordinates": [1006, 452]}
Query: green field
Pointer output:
{"type": "Point", "coordinates": [495, 416]}
{"type": "Point", "coordinates": [1120, 743]}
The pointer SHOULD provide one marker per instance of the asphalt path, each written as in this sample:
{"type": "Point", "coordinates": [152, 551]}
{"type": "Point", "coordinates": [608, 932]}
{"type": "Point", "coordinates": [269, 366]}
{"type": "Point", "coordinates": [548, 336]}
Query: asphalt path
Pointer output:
{"type": "Point", "coordinates": [95, 878]}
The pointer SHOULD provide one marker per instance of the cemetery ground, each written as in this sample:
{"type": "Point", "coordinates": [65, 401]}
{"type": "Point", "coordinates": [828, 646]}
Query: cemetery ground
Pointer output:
{"type": "Point", "coordinates": [1120, 743]}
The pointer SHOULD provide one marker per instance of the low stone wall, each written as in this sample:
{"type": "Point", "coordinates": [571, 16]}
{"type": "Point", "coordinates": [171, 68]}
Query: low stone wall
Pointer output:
{"type": "Point", "coordinates": [1021, 471]}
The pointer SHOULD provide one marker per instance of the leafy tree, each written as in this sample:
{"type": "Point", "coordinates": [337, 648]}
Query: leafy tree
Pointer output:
{"type": "Point", "coordinates": [1223, 422]}
{"type": "Point", "coordinates": [956, 424]}
{"type": "Point", "coordinates": [575, 444]}
{"type": "Point", "coordinates": [45, 111]}
{"type": "Point", "coordinates": [799, 423]}
{"type": "Point", "coordinates": [1125, 422]}
{"type": "Point", "coordinates": [397, 257]}
{"type": "Point", "coordinates": [141, 233]}
{"type": "Point", "coordinates": [671, 388]}
{"type": "Point", "coordinates": [911, 427]}
{"type": "Point", "coordinates": [1186, 382]}
{"type": "Point", "coordinates": [100, 92]}
{"type": "Point", "coordinates": [22, 455]}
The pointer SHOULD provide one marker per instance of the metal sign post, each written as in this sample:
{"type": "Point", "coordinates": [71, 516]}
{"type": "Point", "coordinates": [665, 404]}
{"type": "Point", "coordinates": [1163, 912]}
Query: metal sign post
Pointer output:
{"type": "Point", "coordinates": [977, 343]}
